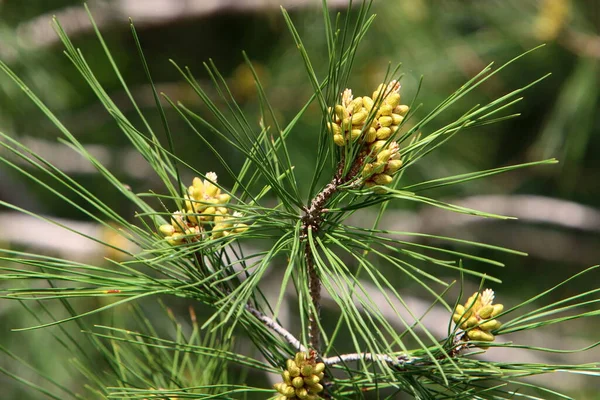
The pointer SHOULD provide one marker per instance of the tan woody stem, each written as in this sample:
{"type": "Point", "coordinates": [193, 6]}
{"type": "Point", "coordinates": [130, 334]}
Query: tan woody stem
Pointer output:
{"type": "Point", "coordinates": [312, 221]}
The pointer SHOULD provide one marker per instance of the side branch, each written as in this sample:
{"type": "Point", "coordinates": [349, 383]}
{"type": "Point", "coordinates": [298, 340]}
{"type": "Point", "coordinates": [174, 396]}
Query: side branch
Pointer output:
{"type": "Point", "coordinates": [274, 326]}
{"type": "Point", "coordinates": [397, 361]}
{"type": "Point", "coordinates": [312, 220]}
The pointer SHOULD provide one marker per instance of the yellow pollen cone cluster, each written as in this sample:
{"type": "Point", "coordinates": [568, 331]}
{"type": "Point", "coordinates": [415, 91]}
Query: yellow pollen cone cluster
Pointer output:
{"type": "Point", "coordinates": [351, 118]}
{"type": "Point", "coordinates": [301, 379]}
{"type": "Point", "coordinates": [477, 315]}
{"type": "Point", "coordinates": [384, 164]}
{"type": "Point", "coordinates": [204, 214]}
{"type": "Point", "coordinates": [373, 121]}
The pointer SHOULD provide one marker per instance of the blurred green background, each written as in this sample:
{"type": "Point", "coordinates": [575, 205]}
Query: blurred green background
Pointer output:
{"type": "Point", "coordinates": [446, 41]}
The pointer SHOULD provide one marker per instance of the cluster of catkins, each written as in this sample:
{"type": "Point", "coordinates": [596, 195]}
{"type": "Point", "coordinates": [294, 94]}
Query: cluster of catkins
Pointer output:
{"type": "Point", "coordinates": [301, 378]}
{"type": "Point", "coordinates": [477, 316]}
{"type": "Point", "coordinates": [204, 214]}
{"type": "Point", "coordinates": [372, 121]}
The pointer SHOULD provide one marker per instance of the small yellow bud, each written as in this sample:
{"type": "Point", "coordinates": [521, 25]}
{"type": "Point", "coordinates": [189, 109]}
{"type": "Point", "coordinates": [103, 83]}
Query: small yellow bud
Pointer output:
{"type": "Point", "coordinates": [340, 112]}
{"type": "Point", "coordinates": [384, 156]}
{"type": "Point", "coordinates": [178, 220]}
{"type": "Point", "coordinates": [356, 105]}
{"type": "Point", "coordinates": [321, 375]}
{"type": "Point", "coordinates": [355, 134]}
{"type": "Point", "coordinates": [486, 312]}
{"type": "Point", "coordinates": [367, 102]}
{"type": "Point", "coordinates": [316, 388]}
{"type": "Point", "coordinates": [223, 198]}
{"type": "Point", "coordinates": [476, 334]}
{"type": "Point", "coordinates": [378, 167]}
{"type": "Point", "coordinates": [299, 358]}
{"type": "Point", "coordinates": [385, 111]}
{"type": "Point", "coordinates": [298, 382]}
{"type": "Point", "coordinates": [293, 368]}
{"type": "Point", "coordinates": [470, 322]}
{"type": "Point", "coordinates": [371, 135]}
{"type": "Point", "coordinates": [311, 380]}
{"type": "Point", "coordinates": [339, 140]}
{"type": "Point", "coordinates": [191, 231]}
{"type": "Point", "coordinates": [193, 218]}
{"type": "Point", "coordinates": [397, 119]}
{"type": "Point", "coordinates": [211, 190]}
{"type": "Point", "coordinates": [401, 110]}
{"type": "Point", "coordinates": [217, 232]}
{"type": "Point", "coordinates": [240, 228]}
{"type": "Point", "coordinates": [166, 229]}
{"type": "Point", "coordinates": [367, 170]}
{"type": "Point", "coordinates": [280, 387]}
{"type": "Point", "coordinates": [289, 392]}
{"type": "Point", "coordinates": [470, 304]}
{"type": "Point", "coordinates": [319, 367]}
{"type": "Point", "coordinates": [190, 206]}
{"type": "Point", "coordinates": [347, 124]}
{"type": "Point", "coordinates": [385, 121]}
{"type": "Point", "coordinates": [212, 201]}
{"type": "Point", "coordinates": [359, 117]}
{"type": "Point", "coordinates": [490, 325]}
{"type": "Point", "coordinates": [376, 146]}
{"type": "Point", "coordinates": [393, 99]}
{"type": "Point", "coordinates": [393, 166]}
{"type": "Point", "coordinates": [302, 393]}
{"type": "Point", "coordinates": [209, 213]}
{"type": "Point", "coordinates": [383, 133]}
{"type": "Point", "coordinates": [334, 128]}
{"type": "Point", "coordinates": [377, 93]}
{"type": "Point", "coordinates": [286, 377]}
{"type": "Point", "coordinates": [197, 183]}
{"type": "Point", "coordinates": [498, 308]}
{"type": "Point", "coordinates": [307, 370]}
{"type": "Point", "coordinates": [196, 193]}
{"type": "Point", "coordinates": [382, 179]}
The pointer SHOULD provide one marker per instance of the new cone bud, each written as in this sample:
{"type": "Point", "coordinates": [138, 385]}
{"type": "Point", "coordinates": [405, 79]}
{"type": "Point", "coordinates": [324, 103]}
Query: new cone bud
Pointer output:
{"type": "Point", "coordinates": [302, 377]}
{"type": "Point", "coordinates": [476, 316]}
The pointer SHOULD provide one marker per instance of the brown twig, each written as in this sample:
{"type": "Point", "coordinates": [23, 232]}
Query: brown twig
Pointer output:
{"type": "Point", "coordinates": [311, 222]}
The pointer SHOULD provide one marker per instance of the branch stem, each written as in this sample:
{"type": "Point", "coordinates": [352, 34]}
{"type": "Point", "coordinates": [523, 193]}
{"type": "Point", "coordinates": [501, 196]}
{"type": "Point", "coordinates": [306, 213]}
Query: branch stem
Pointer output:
{"type": "Point", "coordinates": [311, 221]}
{"type": "Point", "coordinates": [274, 326]}
{"type": "Point", "coordinates": [396, 361]}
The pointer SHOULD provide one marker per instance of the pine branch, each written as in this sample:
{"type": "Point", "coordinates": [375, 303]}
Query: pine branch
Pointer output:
{"type": "Point", "coordinates": [396, 361]}
{"type": "Point", "coordinates": [274, 326]}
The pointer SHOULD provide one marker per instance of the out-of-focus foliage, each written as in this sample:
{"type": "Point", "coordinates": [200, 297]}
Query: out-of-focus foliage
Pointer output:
{"type": "Point", "coordinates": [447, 42]}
